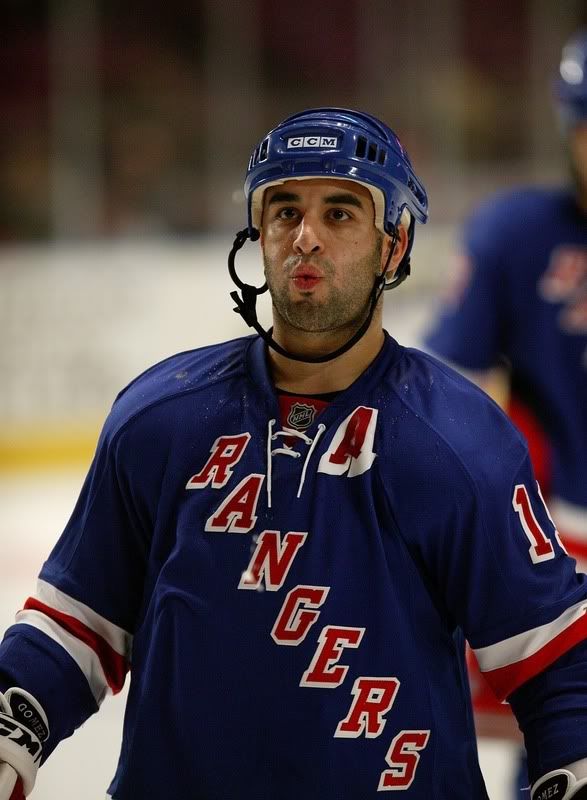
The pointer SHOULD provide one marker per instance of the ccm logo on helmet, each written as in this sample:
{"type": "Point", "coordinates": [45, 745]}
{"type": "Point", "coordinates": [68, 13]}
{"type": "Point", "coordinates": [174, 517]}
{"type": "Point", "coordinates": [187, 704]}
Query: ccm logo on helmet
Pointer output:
{"type": "Point", "coordinates": [330, 142]}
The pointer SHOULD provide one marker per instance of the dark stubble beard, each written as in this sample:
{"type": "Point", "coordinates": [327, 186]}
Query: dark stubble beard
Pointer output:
{"type": "Point", "coordinates": [343, 308]}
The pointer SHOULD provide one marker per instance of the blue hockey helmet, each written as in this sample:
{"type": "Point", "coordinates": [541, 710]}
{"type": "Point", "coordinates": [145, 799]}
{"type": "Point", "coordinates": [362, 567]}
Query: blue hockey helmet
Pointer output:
{"type": "Point", "coordinates": [341, 144]}
{"type": "Point", "coordinates": [570, 88]}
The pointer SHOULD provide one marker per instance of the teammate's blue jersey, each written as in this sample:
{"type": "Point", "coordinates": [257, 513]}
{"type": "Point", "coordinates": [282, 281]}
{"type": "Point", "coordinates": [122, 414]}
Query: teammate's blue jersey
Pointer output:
{"type": "Point", "coordinates": [523, 298]}
{"type": "Point", "coordinates": [291, 605]}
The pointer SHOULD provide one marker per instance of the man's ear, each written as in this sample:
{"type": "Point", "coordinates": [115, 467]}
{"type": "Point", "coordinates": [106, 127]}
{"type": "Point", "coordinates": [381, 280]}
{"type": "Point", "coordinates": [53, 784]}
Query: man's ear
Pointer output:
{"type": "Point", "coordinates": [401, 245]}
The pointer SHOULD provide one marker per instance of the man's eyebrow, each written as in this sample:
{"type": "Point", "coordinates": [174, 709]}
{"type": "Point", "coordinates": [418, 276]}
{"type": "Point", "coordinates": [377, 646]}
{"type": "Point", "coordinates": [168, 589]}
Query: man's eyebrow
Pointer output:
{"type": "Point", "coordinates": [284, 197]}
{"type": "Point", "coordinates": [344, 199]}
{"type": "Point", "coordinates": [340, 198]}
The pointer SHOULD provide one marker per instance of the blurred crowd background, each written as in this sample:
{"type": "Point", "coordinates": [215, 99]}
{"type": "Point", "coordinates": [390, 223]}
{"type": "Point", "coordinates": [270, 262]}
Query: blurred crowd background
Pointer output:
{"type": "Point", "coordinates": [137, 118]}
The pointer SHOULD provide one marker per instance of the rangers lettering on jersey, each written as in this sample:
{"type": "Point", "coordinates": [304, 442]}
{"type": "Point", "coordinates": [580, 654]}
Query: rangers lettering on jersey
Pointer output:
{"type": "Point", "coordinates": [236, 514]}
{"type": "Point", "coordinates": [373, 697]}
{"type": "Point", "coordinates": [295, 620]}
{"type": "Point", "coordinates": [272, 560]}
{"type": "Point", "coordinates": [225, 454]}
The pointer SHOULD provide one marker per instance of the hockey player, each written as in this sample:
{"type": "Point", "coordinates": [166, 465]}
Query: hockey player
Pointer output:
{"type": "Point", "coordinates": [286, 536]}
{"type": "Point", "coordinates": [521, 302]}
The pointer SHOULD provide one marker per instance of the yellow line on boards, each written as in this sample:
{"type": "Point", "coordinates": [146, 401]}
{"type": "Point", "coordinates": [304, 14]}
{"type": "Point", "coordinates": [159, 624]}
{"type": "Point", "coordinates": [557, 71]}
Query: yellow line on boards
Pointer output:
{"type": "Point", "coordinates": [24, 447]}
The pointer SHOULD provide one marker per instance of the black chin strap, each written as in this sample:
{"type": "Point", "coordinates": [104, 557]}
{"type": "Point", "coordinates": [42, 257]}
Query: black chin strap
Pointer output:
{"type": "Point", "coordinates": [246, 305]}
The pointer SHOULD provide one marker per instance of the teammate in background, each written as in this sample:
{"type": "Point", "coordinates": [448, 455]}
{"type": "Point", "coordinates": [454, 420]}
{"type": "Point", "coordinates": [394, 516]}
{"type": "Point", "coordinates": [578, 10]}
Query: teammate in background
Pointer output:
{"type": "Point", "coordinates": [516, 323]}
{"type": "Point", "coordinates": [286, 536]}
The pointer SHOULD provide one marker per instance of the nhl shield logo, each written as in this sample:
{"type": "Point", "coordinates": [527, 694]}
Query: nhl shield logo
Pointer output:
{"type": "Point", "coordinates": [301, 416]}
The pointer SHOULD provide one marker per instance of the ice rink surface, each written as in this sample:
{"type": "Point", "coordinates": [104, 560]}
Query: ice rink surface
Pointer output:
{"type": "Point", "coordinates": [34, 508]}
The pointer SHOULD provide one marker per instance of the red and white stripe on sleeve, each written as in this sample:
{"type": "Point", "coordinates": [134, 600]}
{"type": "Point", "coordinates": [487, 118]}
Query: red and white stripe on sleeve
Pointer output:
{"type": "Point", "coordinates": [508, 664]}
{"type": "Point", "coordinates": [100, 649]}
{"type": "Point", "coordinates": [571, 523]}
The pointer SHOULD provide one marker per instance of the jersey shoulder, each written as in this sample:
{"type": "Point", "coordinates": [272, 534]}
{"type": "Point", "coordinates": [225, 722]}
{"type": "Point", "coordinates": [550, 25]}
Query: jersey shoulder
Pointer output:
{"type": "Point", "coordinates": [205, 369]}
{"type": "Point", "coordinates": [453, 417]}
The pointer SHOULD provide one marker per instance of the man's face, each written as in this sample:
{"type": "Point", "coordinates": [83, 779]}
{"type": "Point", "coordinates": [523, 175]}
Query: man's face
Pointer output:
{"type": "Point", "coordinates": [321, 252]}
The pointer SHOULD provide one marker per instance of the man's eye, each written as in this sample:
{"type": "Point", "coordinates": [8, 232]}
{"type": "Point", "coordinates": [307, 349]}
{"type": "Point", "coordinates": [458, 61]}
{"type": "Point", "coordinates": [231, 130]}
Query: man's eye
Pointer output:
{"type": "Point", "coordinates": [287, 213]}
{"type": "Point", "coordinates": [338, 214]}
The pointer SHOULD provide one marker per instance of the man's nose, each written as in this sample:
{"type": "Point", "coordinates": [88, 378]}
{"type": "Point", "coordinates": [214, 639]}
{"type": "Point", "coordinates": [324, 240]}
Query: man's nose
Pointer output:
{"type": "Point", "coordinates": [308, 239]}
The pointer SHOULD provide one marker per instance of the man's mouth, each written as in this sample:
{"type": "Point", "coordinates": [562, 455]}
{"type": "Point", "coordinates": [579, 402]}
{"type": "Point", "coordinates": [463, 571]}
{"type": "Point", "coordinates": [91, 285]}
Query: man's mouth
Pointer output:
{"type": "Point", "coordinates": [306, 277]}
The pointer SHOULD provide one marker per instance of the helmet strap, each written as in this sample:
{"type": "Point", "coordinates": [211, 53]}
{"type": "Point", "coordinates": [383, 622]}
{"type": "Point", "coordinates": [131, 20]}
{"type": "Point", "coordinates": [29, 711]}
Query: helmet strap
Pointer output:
{"type": "Point", "coordinates": [246, 302]}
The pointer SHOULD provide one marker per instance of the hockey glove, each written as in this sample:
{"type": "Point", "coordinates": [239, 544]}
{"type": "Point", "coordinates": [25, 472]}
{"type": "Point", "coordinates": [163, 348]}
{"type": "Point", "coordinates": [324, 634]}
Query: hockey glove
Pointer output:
{"type": "Point", "coordinates": [23, 729]}
{"type": "Point", "coordinates": [560, 784]}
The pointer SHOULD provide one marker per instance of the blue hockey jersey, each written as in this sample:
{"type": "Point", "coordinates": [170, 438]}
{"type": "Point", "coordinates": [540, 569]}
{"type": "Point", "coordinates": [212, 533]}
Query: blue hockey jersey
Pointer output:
{"type": "Point", "coordinates": [522, 297]}
{"type": "Point", "coordinates": [291, 604]}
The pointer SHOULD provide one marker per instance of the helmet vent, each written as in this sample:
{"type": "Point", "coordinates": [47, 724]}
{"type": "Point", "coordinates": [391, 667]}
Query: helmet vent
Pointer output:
{"type": "Point", "coordinates": [361, 147]}
{"type": "Point", "coordinates": [260, 153]}
{"type": "Point", "coordinates": [370, 151]}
